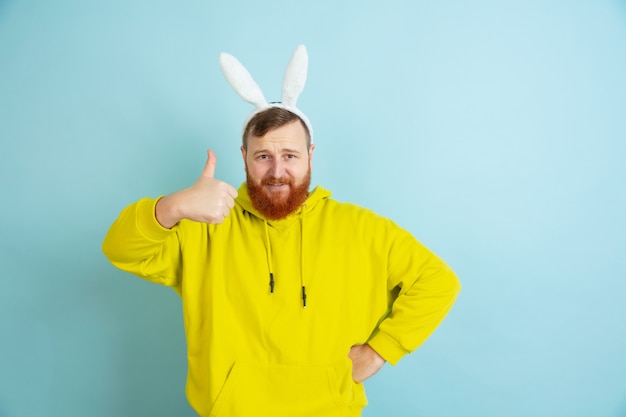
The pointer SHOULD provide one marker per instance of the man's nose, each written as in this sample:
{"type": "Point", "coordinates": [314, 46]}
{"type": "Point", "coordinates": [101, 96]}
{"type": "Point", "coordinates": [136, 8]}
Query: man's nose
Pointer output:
{"type": "Point", "coordinates": [277, 168]}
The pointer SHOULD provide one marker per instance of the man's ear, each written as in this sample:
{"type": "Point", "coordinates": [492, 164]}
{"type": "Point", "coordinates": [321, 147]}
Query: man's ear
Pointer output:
{"type": "Point", "coordinates": [311, 149]}
{"type": "Point", "coordinates": [243, 155]}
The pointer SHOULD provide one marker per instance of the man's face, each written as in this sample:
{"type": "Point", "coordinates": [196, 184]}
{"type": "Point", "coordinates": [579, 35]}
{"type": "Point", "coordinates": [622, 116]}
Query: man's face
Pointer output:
{"type": "Point", "coordinates": [278, 170]}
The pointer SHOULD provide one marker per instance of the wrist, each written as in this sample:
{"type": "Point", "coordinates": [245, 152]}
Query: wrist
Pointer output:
{"type": "Point", "coordinates": [165, 212]}
{"type": "Point", "coordinates": [375, 356]}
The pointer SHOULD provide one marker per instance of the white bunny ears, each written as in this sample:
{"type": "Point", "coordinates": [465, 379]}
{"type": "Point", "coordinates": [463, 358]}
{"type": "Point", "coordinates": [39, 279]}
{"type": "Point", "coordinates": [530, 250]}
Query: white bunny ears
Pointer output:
{"type": "Point", "coordinates": [293, 84]}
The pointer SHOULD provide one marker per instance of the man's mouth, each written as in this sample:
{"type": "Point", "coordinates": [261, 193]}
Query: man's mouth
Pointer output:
{"type": "Point", "coordinates": [277, 185]}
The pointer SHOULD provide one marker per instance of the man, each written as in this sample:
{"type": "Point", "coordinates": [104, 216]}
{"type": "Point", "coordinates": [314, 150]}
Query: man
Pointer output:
{"type": "Point", "coordinates": [291, 299]}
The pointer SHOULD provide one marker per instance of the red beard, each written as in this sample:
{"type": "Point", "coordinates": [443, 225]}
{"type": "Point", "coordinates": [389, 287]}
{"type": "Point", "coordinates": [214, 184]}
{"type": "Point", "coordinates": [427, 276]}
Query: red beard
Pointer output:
{"type": "Point", "coordinates": [278, 208]}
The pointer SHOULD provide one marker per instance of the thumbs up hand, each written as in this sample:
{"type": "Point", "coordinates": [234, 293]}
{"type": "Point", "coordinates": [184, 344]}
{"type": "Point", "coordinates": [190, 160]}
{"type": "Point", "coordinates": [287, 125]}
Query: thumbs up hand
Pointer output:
{"type": "Point", "coordinates": [209, 166]}
{"type": "Point", "coordinates": [209, 200]}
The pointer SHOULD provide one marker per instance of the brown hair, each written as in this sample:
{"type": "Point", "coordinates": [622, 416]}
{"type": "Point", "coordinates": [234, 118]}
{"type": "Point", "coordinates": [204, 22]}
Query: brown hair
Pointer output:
{"type": "Point", "coordinates": [270, 119]}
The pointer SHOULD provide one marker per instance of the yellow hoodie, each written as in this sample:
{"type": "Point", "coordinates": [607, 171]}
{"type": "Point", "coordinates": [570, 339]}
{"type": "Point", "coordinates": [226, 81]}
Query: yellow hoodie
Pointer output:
{"type": "Point", "coordinates": [271, 308]}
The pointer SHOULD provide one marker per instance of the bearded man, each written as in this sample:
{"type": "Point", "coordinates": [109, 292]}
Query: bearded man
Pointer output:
{"type": "Point", "coordinates": [290, 299]}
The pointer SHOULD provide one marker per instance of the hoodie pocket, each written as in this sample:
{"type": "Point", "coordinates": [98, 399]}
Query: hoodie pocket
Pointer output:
{"type": "Point", "coordinates": [280, 391]}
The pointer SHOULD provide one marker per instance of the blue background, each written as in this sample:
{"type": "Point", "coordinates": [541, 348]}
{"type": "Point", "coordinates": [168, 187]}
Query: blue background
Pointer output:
{"type": "Point", "coordinates": [493, 130]}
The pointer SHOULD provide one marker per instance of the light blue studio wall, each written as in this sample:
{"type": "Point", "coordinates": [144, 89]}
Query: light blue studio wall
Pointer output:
{"type": "Point", "coordinates": [492, 131]}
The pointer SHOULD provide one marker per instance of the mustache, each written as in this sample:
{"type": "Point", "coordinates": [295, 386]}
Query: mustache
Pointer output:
{"type": "Point", "coordinates": [275, 180]}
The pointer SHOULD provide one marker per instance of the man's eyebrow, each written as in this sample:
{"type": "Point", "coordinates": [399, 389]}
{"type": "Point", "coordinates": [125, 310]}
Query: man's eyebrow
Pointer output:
{"type": "Point", "coordinates": [284, 150]}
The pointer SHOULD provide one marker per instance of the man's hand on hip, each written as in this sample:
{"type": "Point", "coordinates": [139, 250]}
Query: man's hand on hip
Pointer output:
{"type": "Point", "coordinates": [366, 362]}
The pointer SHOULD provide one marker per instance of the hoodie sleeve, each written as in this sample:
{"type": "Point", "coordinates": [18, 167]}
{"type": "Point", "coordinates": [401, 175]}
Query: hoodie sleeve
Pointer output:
{"type": "Point", "coordinates": [138, 244]}
{"type": "Point", "coordinates": [426, 289]}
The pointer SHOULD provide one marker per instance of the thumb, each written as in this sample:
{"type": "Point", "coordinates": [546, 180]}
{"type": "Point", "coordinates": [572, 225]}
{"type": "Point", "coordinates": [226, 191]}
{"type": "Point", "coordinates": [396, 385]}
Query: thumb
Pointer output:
{"type": "Point", "coordinates": [209, 167]}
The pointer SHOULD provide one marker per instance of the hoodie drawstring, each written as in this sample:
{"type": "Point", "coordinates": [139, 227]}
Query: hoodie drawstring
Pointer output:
{"type": "Point", "coordinates": [268, 252]}
{"type": "Point", "coordinates": [302, 252]}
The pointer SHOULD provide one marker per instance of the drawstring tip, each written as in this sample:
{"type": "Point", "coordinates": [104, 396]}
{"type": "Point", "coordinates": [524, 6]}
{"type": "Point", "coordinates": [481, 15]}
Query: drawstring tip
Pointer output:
{"type": "Point", "coordinates": [271, 283]}
{"type": "Point", "coordinates": [303, 296]}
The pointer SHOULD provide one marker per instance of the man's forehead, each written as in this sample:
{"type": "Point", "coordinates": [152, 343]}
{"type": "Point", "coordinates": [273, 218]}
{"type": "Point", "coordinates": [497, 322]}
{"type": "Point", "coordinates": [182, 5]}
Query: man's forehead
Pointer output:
{"type": "Point", "coordinates": [275, 148]}
{"type": "Point", "coordinates": [279, 140]}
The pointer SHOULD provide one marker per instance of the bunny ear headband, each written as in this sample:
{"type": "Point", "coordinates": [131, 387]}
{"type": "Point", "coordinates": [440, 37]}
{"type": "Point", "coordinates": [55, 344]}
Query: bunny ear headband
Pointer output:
{"type": "Point", "coordinates": [293, 84]}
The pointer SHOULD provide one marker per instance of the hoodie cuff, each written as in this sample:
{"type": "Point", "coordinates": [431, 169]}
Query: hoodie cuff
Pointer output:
{"type": "Point", "coordinates": [147, 223]}
{"type": "Point", "coordinates": [387, 347]}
